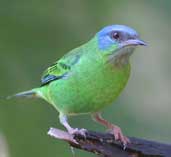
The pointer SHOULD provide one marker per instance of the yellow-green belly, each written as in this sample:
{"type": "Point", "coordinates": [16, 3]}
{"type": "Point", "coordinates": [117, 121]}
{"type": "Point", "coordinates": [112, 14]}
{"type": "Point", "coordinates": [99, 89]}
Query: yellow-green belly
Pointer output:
{"type": "Point", "coordinates": [87, 90]}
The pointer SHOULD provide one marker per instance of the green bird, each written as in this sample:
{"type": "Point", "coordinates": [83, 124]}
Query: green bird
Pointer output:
{"type": "Point", "coordinates": [90, 77]}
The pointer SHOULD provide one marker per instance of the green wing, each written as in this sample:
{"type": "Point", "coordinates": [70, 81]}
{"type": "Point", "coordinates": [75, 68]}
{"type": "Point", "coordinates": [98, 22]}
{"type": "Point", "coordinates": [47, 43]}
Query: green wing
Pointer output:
{"type": "Point", "coordinates": [61, 68]}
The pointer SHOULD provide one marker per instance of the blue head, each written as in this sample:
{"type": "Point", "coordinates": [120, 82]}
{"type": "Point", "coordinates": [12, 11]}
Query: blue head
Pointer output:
{"type": "Point", "coordinates": [118, 38]}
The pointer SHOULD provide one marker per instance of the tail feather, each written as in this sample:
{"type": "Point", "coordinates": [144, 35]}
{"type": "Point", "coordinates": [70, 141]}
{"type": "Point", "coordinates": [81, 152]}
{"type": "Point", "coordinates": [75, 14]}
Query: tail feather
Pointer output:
{"type": "Point", "coordinates": [28, 94]}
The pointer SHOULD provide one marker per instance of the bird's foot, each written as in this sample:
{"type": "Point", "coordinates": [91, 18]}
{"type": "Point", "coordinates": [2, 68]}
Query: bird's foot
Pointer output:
{"type": "Point", "coordinates": [116, 131]}
{"type": "Point", "coordinates": [74, 131]}
{"type": "Point", "coordinates": [59, 134]}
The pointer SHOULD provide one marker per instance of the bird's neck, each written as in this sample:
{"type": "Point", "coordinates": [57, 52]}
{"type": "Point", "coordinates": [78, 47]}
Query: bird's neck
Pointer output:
{"type": "Point", "coordinates": [122, 58]}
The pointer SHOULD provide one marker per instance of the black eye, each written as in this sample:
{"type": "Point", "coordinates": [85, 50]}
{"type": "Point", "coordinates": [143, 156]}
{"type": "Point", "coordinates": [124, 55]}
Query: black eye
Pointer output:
{"type": "Point", "coordinates": [115, 35]}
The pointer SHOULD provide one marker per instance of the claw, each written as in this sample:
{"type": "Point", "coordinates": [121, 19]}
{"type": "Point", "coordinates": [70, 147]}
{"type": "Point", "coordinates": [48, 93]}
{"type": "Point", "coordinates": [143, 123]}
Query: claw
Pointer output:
{"type": "Point", "coordinates": [71, 131]}
{"type": "Point", "coordinates": [74, 131]}
{"type": "Point", "coordinates": [124, 146]}
{"type": "Point", "coordinates": [116, 131]}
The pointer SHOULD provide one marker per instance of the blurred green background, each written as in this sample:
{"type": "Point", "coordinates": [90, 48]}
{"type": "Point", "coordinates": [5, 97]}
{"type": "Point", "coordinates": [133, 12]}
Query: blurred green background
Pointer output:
{"type": "Point", "coordinates": [35, 33]}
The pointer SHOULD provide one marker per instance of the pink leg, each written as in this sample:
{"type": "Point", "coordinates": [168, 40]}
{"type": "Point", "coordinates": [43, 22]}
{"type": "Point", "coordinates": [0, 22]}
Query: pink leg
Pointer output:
{"type": "Point", "coordinates": [115, 129]}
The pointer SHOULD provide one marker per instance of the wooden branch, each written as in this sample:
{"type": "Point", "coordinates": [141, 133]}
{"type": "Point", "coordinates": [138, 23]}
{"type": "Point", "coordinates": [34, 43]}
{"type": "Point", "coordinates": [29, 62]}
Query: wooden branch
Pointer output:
{"type": "Point", "coordinates": [105, 145]}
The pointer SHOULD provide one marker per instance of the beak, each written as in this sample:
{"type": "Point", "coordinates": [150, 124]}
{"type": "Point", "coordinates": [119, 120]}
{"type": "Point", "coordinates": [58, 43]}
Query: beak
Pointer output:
{"type": "Point", "coordinates": [134, 42]}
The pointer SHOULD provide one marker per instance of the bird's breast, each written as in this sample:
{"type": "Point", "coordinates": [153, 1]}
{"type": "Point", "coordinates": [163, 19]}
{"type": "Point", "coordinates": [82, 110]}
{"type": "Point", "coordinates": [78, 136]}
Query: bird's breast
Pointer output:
{"type": "Point", "coordinates": [89, 88]}
{"type": "Point", "coordinates": [99, 85]}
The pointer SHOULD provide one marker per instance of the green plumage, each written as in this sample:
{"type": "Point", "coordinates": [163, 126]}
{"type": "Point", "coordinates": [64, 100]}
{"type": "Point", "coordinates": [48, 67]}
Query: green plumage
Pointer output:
{"type": "Point", "coordinates": [90, 77]}
{"type": "Point", "coordinates": [91, 83]}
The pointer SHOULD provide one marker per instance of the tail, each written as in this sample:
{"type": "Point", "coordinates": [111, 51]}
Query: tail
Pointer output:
{"type": "Point", "coordinates": [28, 94]}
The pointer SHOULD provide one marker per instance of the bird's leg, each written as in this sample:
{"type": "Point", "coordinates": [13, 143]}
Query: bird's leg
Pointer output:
{"type": "Point", "coordinates": [72, 131]}
{"type": "Point", "coordinates": [114, 129]}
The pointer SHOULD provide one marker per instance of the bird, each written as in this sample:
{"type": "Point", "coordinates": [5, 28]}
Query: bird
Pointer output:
{"type": "Point", "coordinates": [90, 77]}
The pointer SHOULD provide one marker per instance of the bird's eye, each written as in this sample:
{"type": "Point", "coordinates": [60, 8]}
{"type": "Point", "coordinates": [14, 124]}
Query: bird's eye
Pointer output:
{"type": "Point", "coordinates": [115, 35]}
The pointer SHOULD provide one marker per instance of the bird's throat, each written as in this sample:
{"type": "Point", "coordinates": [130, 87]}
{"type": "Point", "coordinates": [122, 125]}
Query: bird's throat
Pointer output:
{"type": "Point", "coordinates": [121, 57]}
{"type": "Point", "coordinates": [121, 60]}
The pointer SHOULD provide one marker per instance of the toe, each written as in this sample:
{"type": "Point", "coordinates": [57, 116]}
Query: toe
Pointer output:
{"type": "Point", "coordinates": [73, 131]}
{"type": "Point", "coordinates": [78, 131]}
{"type": "Point", "coordinates": [119, 135]}
{"type": "Point", "coordinates": [83, 132]}
{"type": "Point", "coordinates": [127, 139]}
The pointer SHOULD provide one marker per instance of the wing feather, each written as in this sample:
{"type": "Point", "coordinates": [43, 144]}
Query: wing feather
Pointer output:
{"type": "Point", "coordinates": [60, 68]}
